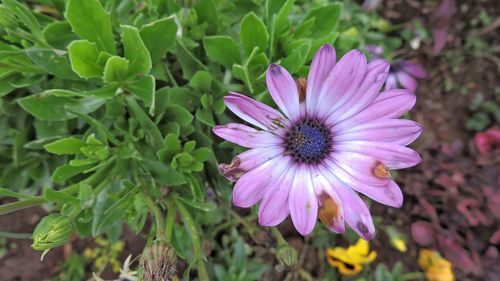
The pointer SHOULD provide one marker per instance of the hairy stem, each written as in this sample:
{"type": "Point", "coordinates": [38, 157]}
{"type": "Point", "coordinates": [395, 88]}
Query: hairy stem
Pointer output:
{"type": "Point", "coordinates": [195, 238]}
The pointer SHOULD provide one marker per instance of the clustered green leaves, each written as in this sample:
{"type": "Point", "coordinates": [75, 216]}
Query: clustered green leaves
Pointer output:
{"type": "Point", "coordinates": [107, 107]}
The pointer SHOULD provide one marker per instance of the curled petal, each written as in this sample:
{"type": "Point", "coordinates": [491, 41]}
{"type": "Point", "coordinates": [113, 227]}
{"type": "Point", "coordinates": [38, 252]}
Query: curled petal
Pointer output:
{"type": "Point", "coordinates": [255, 112]}
{"type": "Point", "coordinates": [388, 194]}
{"type": "Point", "coordinates": [283, 89]}
{"type": "Point", "coordinates": [331, 211]}
{"type": "Point", "coordinates": [248, 160]}
{"type": "Point", "coordinates": [361, 167]}
{"type": "Point", "coordinates": [356, 212]}
{"type": "Point", "coordinates": [246, 136]}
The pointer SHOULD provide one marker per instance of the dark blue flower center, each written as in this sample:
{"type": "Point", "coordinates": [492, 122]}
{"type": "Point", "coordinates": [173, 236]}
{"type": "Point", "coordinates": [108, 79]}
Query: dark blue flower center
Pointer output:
{"type": "Point", "coordinates": [308, 142]}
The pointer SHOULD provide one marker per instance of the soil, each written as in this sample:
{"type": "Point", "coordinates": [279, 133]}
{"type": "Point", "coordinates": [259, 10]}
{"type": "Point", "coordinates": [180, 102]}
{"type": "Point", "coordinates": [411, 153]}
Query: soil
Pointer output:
{"type": "Point", "coordinates": [451, 170]}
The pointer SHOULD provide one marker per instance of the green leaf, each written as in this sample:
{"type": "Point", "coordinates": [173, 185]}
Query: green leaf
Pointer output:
{"type": "Point", "coordinates": [144, 88]}
{"type": "Point", "coordinates": [60, 197]}
{"type": "Point", "coordinates": [90, 21]}
{"type": "Point", "coordinates": [282, 17]}
{"type": "Point", "coordinates": [202, 80]}
{"type": "Point", "coordinates": [189, 63]}
{"type": "Point", "coordinates": [49, 107]}
{"type": "Point", "coordinates": [205, 207]}
{"type": "Point", "coordinates": [135, 51]}
{"type": "Point", "coordinates": [116, 70]}
{"type": "Point", "coordinates": [65, 146]}
{"type": "Point", "coordinates": [253, 33]}
{"type": "Point", "coordinates": [58, 34]}
{"type": "Point", "coordinates": [178, 114]}
{"type": "Point", "coordinates": [86, 196]}
{"type": "Point", "coordinates": [65, 172]}
{"type": "Point", "coordinates": [52, 62]}
{"type": "Point", "coordinates": [25, 16]}
{"type": "Point", "coordinates": [205, 116]}
{"type": "Point", "coordinates": [8, 193]}
{"type": "Point", "coordinates": [207, 12]}
{"type": "Point", "coordinates": [158, 36]}
{"type": "Point", "coordinates": [326, 19]}
{"type": "Point", "coordinates": [297, 57]}
{"type": "Point", "coordinates": [84, 59]}
{"type": "Point", "coordinates": [222, 49]}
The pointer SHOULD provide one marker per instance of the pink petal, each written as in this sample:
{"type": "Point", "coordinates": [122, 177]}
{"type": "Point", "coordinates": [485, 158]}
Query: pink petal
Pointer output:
{"type": "Point", "coordinates": [321, 66]}
{"type": "Point", "coordinates": [246, 136]}
{"type": "Point", "coordinates": [397, 131]}
{"type": "Point", "coordinates": [303, 203]}
{"type": "Point", "coordinates": [389, 104]}
{"type": "Point", "coordinates": [274, 206]}
{"type": "Point", "coordinates": [442, 22]}
{"type": "Point", "coordinates": [255, 112]}
{"type": "Point", "coordinates": [248, 160]}
{"type": "Point", "coordinates": [322, 187]}
{"type": "Point", "coordinates": [360, 166]}
{"type": "Point", "coordinates": [283, 90]}
{"type": "Point", "coordinates": [388, 194]}
{"type": "Point", "coordinates": [391, 82]}
{"type": "Point", "coordinates": [251, 187]}
{"type": "Point", "coordinates": [391, 155]}
{"type": "Point", "coordinates": [407, 81]}
{"type": "Point", "coordinates": [356, 212]}
{"type": "Point", "coordinates": [413, 69]}
{"type": "Point", "coordinates": [367, 91]}
{"type": "Point", "coordinates": [342, 82]}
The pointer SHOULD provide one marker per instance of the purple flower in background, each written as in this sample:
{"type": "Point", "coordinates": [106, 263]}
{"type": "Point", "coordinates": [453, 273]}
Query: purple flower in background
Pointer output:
{"type": "Point", "coordinates": [371, 5]}
{"type": "Point", "coordinates": [401, 73]}
{"type": "Point", "coordinates": [442, 19]}
{"type": "Point", "coordinates": [336, 136]}
{"type": "Point", "coordinates": [404, 73]}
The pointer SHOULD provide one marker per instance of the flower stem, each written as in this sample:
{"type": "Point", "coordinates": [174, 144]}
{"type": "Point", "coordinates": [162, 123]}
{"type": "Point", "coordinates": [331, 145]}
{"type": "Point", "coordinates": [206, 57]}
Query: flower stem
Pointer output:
{"type": "Point", "coordinates": [160, 223]}
{"type": "Point", "coordinates": [19, 205]}
{"type": "Point", "coordinates": [169, 225]}
{"type": "Point", "coordinates": [38, 200]}
{"type": "Point", "coordinates": [279, 237]}
{"type": "Point", "coordinates": [195, 238]}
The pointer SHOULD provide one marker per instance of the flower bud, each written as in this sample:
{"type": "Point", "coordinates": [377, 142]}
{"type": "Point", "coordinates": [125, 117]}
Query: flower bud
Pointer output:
{"type": "Point", "coordinates": [52, 231]}
{"type": "Point", "coordinates": [287, 255]}
{"type": "Point", "coordinates": [158, 262]}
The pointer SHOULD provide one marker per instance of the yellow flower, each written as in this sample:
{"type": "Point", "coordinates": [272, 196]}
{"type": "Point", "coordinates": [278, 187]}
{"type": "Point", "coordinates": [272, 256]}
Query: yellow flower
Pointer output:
{"type": "Point", "coordinates": [399, 244]}
{"type": "Point", "coordinates": [350, 261]}
{"type": "Point", "coordinates": [436, 267]}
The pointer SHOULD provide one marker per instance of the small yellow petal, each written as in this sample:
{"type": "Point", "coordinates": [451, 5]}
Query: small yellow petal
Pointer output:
{"type": "Point", "coordinates": [399, 244]}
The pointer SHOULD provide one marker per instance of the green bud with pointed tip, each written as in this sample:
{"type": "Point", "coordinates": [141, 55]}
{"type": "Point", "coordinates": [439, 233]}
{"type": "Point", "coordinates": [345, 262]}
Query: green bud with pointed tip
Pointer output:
{"type": "Point", "coordinates": [52, 231]}
{"type": "Point", "coordinates": [287, 255]}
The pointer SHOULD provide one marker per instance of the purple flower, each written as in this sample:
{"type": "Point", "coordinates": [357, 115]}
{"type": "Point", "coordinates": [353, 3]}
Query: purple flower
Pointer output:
{"type": "Point", "coordinates": [404, 73]}
{"type": "Point", "coordinates": [371, 5]}
{"type": "Point", "coordinates": [337, 136]}
{"type": "Point", "coordinates": [442, 21]}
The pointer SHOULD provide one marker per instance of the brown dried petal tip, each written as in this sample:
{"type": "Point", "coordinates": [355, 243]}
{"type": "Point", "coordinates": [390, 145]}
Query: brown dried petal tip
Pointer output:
{"type": "Point", "coordinates": [301, 88]}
